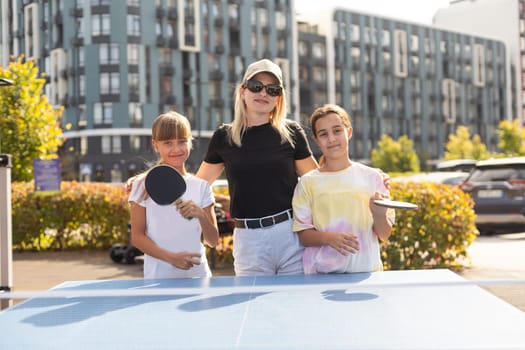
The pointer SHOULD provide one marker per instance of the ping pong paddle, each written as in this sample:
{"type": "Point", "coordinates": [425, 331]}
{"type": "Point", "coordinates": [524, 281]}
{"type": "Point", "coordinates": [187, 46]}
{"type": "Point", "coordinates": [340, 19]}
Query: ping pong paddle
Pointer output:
{"type": "Point", "coordinates": [165, 185]}
{"type": "Point", "coordinates": [395, 204]}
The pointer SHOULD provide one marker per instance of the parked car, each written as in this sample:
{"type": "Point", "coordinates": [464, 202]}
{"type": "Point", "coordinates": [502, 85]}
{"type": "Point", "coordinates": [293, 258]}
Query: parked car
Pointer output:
{"type": "Point", "coordinates": [442, 177]}
{"type": "Point", "coordinates": [464, 165]}
{"type": "Point", "coordinates": [497, 187]}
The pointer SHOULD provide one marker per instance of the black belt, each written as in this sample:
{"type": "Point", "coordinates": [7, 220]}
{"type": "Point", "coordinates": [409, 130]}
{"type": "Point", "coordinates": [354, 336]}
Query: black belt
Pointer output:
{"type": "Point", "coordinates": [263, 222]}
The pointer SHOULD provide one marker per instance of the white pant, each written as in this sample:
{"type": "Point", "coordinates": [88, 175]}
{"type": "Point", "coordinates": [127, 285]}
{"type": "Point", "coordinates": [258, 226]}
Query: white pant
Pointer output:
{"type": "Point", "coordinates": [267, 251]}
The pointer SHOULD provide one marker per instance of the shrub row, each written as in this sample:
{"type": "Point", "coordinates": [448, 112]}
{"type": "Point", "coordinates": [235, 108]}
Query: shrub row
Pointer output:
{"type": "Point", "coordinates": [80, 215]}
{"type": "Point", "coordinates": [96, 215]}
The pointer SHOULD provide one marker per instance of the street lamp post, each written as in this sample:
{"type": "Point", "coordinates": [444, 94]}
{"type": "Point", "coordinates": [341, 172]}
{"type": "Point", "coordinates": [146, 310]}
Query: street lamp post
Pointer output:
{"type": "Point", "coordinates": [6, 234]}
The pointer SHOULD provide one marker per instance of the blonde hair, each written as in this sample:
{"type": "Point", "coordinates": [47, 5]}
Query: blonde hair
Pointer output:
{"type": "Point", "coordinates": [167, 126]}
{"type": "Point", "coordinates": [277, 119]}
{"type": "Point", "coordinates": [171, 125]}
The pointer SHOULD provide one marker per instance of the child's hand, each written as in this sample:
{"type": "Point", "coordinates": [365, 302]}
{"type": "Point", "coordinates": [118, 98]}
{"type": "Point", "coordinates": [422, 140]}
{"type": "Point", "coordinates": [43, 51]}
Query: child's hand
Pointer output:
{"type": "Point", "coordinates": [377, 209]}
{"type": "Point", "coordinates": [185, 260]}
{"type": "Point", "coordinates": [344, 243]}
{"type": "Point", "coordinates": [190, 209]}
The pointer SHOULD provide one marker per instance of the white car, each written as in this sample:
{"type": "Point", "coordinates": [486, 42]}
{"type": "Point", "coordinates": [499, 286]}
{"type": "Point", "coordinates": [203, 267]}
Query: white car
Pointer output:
{"type": "Point", "coordinates": [443, 177]}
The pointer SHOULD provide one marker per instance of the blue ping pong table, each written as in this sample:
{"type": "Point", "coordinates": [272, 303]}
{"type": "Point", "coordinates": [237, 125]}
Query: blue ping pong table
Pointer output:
{"type": "Point", "coordinates": [422, 309]}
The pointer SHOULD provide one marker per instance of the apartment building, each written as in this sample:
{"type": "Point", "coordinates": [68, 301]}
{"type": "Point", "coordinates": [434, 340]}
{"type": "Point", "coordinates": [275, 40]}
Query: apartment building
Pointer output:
{"type": "Point", "coordinates": [400, 78]}
{"type": "Point", "coordinates": [500, 19]}
{"type": "Point", "coordinates": [115, 65]}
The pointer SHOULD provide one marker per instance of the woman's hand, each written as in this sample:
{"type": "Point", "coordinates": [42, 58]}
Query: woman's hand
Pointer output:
{"type": "Point", "coordinates": [129, 184]}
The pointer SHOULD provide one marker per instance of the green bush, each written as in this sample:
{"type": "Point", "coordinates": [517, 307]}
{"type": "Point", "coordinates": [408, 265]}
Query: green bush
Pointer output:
{"type": "Point", "coordinates": [80, 215]}
{"type": "Point", "coordinates": [96, 215]}
{"type": "Point", "coordinates": [437, 234]}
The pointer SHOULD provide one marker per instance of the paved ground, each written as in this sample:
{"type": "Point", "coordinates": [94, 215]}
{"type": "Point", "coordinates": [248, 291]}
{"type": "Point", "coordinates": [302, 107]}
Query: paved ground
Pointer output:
{"type": "Point", "coordinates": [495, 257]}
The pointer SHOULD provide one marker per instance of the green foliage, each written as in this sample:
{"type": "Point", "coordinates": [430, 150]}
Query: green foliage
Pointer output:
{"type": "Point", "coordinates": [96, 215]}
{"type": "Point", "coordinates": [80, 215]}
{"type": "Point", "coordinates": [511, 138]}
{"type": "Point", "coordinates": [437, 234]}
{"type": "Point", "coordinates": [461, 146]}
{"type": "Point", "coordinates": [29, 126]}
{"type": "Point", "coordinates": [393, 155]}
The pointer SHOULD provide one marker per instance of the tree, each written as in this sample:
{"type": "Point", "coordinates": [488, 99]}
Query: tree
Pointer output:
{"type": "Point", "coordinates": [398, 156]}
{"type": "Point", "coordinates": [461, 146]}
{"type": "Point", "coordinates": [511, 137]}
{"type": "Point", "coordinates": [29, 124]}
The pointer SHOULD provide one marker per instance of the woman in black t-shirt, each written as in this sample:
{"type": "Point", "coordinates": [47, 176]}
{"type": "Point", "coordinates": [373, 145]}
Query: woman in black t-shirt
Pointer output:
{"type": "Point", "coordinates": [262, 154]}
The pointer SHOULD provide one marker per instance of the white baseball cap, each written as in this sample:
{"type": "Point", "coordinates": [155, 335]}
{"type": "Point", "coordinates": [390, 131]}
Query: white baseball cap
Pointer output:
{"type": "Point", "coordinates": [263, 66]}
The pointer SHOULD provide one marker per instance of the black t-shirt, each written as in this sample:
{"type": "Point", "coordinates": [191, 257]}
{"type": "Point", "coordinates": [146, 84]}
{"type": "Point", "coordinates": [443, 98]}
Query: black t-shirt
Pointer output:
{"type": "Point", "coordinates": [261, 173]}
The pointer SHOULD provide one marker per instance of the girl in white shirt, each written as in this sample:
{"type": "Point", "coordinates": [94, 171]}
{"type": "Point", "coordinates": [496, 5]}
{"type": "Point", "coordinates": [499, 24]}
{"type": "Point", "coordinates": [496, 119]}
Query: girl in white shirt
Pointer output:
{"type": "Point", "coordinates": [171, 235]}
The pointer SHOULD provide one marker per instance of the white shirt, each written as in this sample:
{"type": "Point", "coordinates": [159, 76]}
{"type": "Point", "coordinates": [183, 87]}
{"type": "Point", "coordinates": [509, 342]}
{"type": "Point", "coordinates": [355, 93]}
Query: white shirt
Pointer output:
{"type": "Point", "coordinates": [169, 230]}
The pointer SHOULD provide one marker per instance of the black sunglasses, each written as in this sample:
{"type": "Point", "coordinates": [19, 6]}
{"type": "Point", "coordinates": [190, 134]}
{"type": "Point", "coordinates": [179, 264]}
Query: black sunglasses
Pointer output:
{"type": "Point", "coordinates": [271, 89]}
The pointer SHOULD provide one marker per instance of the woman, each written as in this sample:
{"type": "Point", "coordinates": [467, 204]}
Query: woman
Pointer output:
{"type": "Point", "coordinates": [263, 153]}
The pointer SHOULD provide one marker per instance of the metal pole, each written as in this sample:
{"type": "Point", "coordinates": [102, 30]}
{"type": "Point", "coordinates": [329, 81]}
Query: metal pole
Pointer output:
{"type": "Point", "coordinates": [6, 240]}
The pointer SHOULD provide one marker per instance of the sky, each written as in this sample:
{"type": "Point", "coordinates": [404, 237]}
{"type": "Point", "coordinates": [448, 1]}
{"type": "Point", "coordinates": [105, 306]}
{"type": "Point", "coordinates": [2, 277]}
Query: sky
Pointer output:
{"type": "Point", "coordinates": [420, 11]}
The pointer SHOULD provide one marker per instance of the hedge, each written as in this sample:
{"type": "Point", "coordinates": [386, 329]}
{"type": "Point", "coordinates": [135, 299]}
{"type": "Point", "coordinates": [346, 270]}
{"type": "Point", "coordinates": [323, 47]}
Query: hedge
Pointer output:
{"type": "Point", "coordinates": [96, 215]}
{"type": "Point", "coordinates": [80, 215]}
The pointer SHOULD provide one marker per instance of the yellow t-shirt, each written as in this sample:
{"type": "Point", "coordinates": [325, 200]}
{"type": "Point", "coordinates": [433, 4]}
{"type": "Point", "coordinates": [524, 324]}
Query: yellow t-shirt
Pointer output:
{"type": "Point", "coordinates": [339, 202]}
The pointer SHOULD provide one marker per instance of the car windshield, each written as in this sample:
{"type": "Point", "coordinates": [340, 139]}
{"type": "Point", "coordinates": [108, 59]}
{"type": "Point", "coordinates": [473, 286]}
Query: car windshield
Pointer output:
{"type": "Point", "coordinates": [498, 174]}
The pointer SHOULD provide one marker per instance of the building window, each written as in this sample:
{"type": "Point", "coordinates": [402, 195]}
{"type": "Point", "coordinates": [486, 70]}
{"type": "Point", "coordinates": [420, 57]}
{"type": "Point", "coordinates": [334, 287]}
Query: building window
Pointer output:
{"type": "Point", "coordinates": [99, 173]}
{"type": "Point", "coordinates": [164, 57]}
{"type": "Point", "coordinates": [111, 144]}
{"type": "Point", "coordinates": [478, 64]}
{"type": "Point", "coordinates": [400, 54]}
{"type": "Point", "coordinates": [280, 20]}
{"type": "Point", "coordinates": [135, 143]}
{"type": "Point", "coordinates": [83, 145]}
{"type": "Point", "coordinates": [100, 24]}
{"type": "Point", "coordinates": [31, 31]}
{"type": "Point", "coordinates": [133, 83]}
{"type": "Point", "coordinates": [116, 173]}
{"type": "Point", "coordinates": [318, 51]}
{"type": "Point", "coordinates": [133, 54]}
{"type": "Point", "coordinates": [58, 83]}
{"type": "Point", "coordinates": [135, 114]}
{"type": "Point", "coordinates": [109, 53]}
{"type": "Point", "coordinates": [109, 83]}
{"type": "Point", "coordinates": [448, 88]}
{"type": "Point", "coordinates": [133, 25]}
{"type": "Point", "coordinates": [102, 113]}
{"type": "Point", "coordinates": [189, 26]}
{"type": "Point", "coordinates": [82, 85]}
{"type": "Point", "coordinates": [303, 48]}
{"type": "Point", "coordinates": [80, 27]}
{"type": "Point", "coordinates": [81, 57]}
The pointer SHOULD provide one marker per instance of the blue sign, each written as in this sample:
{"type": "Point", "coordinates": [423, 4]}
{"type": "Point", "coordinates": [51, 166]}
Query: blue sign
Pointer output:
{"type": "Point", "coordinates": [47, 174]}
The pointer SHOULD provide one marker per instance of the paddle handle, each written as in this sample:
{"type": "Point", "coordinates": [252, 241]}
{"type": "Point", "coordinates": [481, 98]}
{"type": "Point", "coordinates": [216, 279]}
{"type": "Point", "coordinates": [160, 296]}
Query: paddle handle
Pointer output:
{"type": "Point", "coordinates": [178, 201]}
